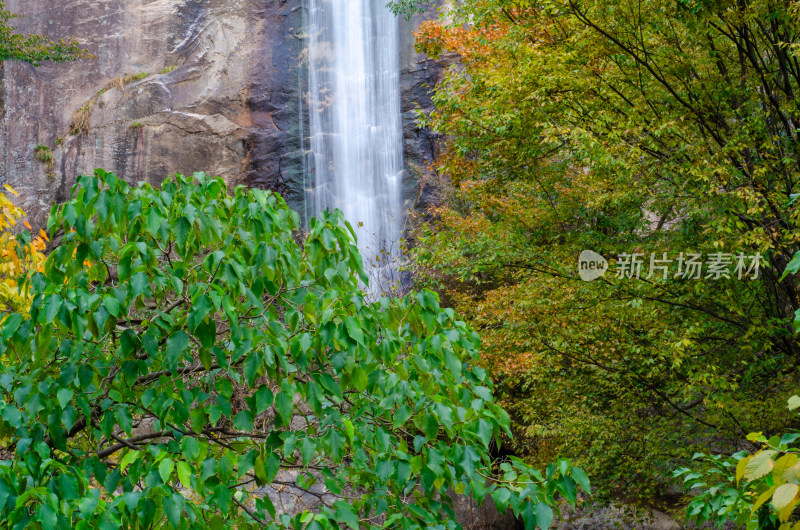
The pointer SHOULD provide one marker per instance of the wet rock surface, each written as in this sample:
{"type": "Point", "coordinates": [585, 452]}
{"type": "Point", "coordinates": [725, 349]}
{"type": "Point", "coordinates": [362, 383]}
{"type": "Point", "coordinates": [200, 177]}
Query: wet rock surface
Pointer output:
{"type": "Point", "coordinates": [176, 86]}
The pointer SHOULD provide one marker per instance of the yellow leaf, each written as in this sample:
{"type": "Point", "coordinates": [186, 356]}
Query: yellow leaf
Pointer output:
{"type": "Point", "coordinates": [764, 497]}
{"type": "Point", "coordinates": [791, 474]}
{"type": "Point", "coordinates": [11, 190]}
{"type": "Point", "coordinates": [781, 465]}
{"type": "Point", "coordinates": [740, 467]}
{"type": "Point", "coordinates": [784, 496]}
{"type": "Point", "coordinates": [759, 465]}
{"type": "Point", "coordinates": [753, 436]}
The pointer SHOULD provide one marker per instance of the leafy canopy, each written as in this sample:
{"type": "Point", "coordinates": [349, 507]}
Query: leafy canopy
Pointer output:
{"type": "Point", "coordinates": [185, 356]}
{"type": "Point", "coordinates": [649, 127]}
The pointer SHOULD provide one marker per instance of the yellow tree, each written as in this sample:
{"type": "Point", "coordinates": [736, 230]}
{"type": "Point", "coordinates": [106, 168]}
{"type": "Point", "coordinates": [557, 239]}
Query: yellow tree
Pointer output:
{"type": "Point", "coordinates": [19, 256]}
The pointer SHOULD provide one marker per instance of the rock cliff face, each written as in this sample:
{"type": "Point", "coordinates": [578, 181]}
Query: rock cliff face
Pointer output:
{"type": "Point", "coordinates": [176, 86]}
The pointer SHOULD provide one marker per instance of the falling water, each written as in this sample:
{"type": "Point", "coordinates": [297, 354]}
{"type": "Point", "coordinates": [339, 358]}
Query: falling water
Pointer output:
{"type": "Point", "coordinates": [356, 143]}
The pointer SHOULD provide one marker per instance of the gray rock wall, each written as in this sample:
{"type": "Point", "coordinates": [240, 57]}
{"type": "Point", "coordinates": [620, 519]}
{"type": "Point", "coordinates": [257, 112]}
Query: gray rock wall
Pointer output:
{"type": "Point", "coordinates": [222, 94]}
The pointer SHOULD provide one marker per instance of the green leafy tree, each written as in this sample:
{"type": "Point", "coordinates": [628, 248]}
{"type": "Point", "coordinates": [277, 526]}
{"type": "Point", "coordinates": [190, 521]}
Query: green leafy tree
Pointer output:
{"type": "Point", "coordinates": [648, 127]}
{"type": "Point", "coordinates": [33, 49]}
{"type": "Point", "coordinates": [185, 353]}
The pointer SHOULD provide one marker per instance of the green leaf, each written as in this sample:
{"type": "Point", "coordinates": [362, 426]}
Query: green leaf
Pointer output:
{"type": "Point", "coordinates": [264, 399]}
{"type": "Point", "coordinates": [272, 466]}
{"type": "Point", "coordinates": [252, 364]}
{"type": "Point", "coordinates": [328, 239]}
{"type": "Point", "coordinates": [124, 419]}
{"type": "Point", "coordinates": [307, 450]}
{"type": "Point", "coordinates": [580, 477]}
{"type": "Point", "coordinates": [453, 364]}
{"type": "Point", "coordinates": [445, 415]}
{"type": "Point", "coordinates": [792, 267]}
{"type": "Point", "coordinates": [112, 305]}
{"type": "Point", "coordinates": [11, 325]}
{"type": "Point", "coordinates": [359, 378]}
{"type": "Point", "coordinates": [285, 405]}
{"type": "Point", "coordinates": [165, 469]}
{"type": "Point", "coordinates": [500, 497]}
{"type": "Point", "coordinates": [567, 487]}
{"type": "Point", "coordinates": [88, 505]}
{"type": "Point", "coordinates": [200, 308]}
{"type": "Point", "coordinates": [199, 418]}
{"type": "Point", "coordinates": [350, 429]}
{"type": "Point", "coordinates": [140, 285]}
{"type": "Point", "coordinates": [485, 432]}
{"type": "Point", "coordinates": [64, 397]}
{"type": "Point", "coordinates": [50, 308]}
{"type": "Point", "coordinates": [354, 329]}
{"type": "Point", "coordinates": [346, 513]}
{"type": "Point", "coordinates": [401, 416]}
{"type": "Point", "coordinates": [173, 508]}
{"type": "Point", "coordinates": [128, 459]}
{"type": "Point", "coordinates": [469, 461]}
{"type": "Point", "coordinates": [177, 344]}
{"type": "Point", "coordinates": [182, 229]}
{"type": "Point", "coordinates": [243, 421]}
{"type": "Point", "coordinates": [544, 515]}
{"type": "Point", "coordinates": [185, 474]}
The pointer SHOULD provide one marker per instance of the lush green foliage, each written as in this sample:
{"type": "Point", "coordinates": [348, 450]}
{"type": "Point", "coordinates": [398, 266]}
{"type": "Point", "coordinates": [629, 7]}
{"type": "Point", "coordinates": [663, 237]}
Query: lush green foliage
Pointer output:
{"type": "Point", "coordinates": [407, 8]}
{"type": "Point", "coordinates": [760, 491]}
{"type": "Point", "coordinates": [620, 127]}
{"type": "Point", "coordinates": [33, 49]}
{"type": "Point", "coordinates": [184, 352]}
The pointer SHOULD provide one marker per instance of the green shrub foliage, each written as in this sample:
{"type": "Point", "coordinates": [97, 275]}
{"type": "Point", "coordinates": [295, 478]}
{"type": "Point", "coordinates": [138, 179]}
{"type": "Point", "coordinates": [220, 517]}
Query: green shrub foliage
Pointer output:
{"type": "Point", "coordinates": [33, 49]}
{"type": "Point", "coordinates": [184, 351]}
{"type": "Point", "coordinates": [758, 491]}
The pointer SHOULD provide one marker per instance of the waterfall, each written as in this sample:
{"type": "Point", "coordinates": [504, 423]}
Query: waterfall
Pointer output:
{"type": "Point", "coordinates": [355, 161]}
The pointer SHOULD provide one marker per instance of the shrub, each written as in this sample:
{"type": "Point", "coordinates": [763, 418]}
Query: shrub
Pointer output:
{"type": "Point", "coordinates": [760, 490]}
{"type": "Point", "coordinates": [33, 49]}
{"type": "Point", "coordinates": [43, 154]}
{"type": "Point", "coordinates": [182, 345]}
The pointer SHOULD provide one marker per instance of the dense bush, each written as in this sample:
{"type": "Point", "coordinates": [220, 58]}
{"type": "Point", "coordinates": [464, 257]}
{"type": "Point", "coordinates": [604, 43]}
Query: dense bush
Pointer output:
{"type": "Point", "coordinates": [760, 491]}
{"type": "Point", "coordinates": [184, 352]}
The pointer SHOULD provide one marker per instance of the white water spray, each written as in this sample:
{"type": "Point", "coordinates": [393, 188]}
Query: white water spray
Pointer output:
{"type": "Point", "coordinates": [356, 136]}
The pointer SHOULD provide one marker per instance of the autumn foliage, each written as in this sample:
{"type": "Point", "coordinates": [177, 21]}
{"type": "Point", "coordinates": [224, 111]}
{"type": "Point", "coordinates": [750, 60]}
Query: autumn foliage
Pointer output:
{"type": "Point", "coordinates": [620, 127]}
{"type": "Point", "coordinates": [19, 256]}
